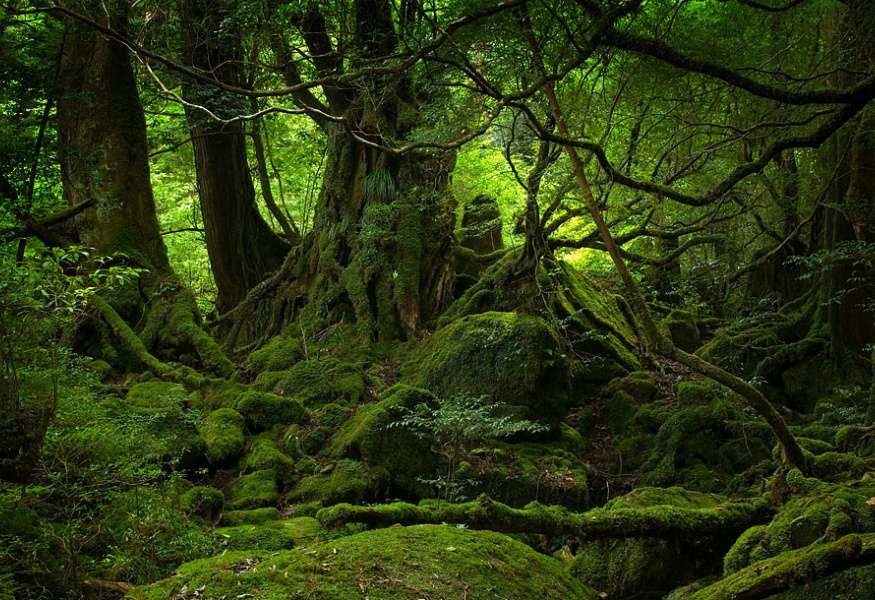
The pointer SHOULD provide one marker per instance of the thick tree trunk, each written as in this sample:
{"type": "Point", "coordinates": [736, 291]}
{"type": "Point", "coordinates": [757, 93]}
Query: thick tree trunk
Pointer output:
{"type": "Point", "coordinates": [104, 165]}
{"type": "Point", "coordinates": [242, 247]}
{"type": "Point", "coordinates": [103, 144]}
{"type": "Point", "coordinates": [849, 217]}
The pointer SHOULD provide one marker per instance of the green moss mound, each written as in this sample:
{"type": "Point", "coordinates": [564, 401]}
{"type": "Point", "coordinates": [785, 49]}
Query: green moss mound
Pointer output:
{"type": "Point", "coordinates": [155, 398]}
{"type": "Point", "coordinates": [649, 567]}
{"type": "Point", "coordinates": [511, 358]}
{"type": "Point", "coordinates": [204, 501]}
{"type": "Point", "coordinates": [254, 490]}
{"type": "Point", "coordinates": [345, 481]}
{"type": "Point", "coordinates": [428, 561]}
{"type": "Point", "coordinates": [317, 381]}
{"type": "Point", "coordinates": [250, 517]}
{"type": "Point", "coordinates": [821, 512]}
{"type": "Point", "coordinates": [263, 455]}
{"type": "Point", "coordinates": [280, 353]}
{"type": "Point", "coordinates": [222, 433]}
{"type": "Point", "coordinates": [273, 535]}
{"type": "Point", "coordinates": [399, 456]}
{"type": "Point", "coordinates": [263, 410]}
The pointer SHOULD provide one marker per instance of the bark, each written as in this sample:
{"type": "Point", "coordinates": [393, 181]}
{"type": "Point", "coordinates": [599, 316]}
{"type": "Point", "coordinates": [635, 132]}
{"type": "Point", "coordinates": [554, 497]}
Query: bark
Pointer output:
{"type": "Point", "coordinates": [103, 144]}
{"type": "Point", "coordinates": [242, 247]}
{"type": "Point", "coordinates": [380, 252]}
{"type": "Point", "coordinates": [106, 182]}
{"type": "Point", "coordinates": [849, 216]}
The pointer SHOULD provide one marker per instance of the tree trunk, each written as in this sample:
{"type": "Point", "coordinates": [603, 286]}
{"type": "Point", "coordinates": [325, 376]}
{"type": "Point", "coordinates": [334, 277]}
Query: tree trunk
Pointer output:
{"type": "Point", "coordinates": [104, 162]}
{"type": "Point", "coordinates": [103, 146]}
{"type": "Point", "coordinates": [243, 249]}
{"type": "Point", "coordinates": [850, 212]}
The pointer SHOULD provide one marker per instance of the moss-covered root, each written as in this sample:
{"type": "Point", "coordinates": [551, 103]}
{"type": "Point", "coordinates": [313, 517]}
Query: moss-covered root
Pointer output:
{"type": "Point", "coordinates": [484, 513]}
{"type": "Point", "coordinates": [133, 343]}
{"type": "Point", "coordinates": [790, 448]}
{"type": "Point", "coordinates": [792, 569]}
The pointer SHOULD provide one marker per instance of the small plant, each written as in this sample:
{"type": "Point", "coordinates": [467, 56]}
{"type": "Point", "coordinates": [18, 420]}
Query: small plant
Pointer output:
{"type": "Point", "coordinates": [456, 426]}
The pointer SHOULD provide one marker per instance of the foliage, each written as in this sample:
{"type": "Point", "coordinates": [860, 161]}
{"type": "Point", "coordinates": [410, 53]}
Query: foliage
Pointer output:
{"type": "Point", "coordinates": [458, 424]}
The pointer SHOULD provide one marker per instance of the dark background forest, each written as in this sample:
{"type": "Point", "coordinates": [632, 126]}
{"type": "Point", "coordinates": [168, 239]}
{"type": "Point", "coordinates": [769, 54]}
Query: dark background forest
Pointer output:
{"type": "Point", "coordinates": [579, 293]}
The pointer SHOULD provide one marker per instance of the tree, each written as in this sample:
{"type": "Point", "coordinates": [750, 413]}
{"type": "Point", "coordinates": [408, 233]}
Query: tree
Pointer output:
{"type": "Point", "coordinates": [242, 247]}
{"type": "Point", "coordinates": [104, 163]}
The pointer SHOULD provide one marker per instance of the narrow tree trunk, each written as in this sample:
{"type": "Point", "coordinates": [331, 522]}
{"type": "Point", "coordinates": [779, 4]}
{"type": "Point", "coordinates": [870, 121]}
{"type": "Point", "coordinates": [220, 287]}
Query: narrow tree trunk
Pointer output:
{"type": "Point", "coordinates": [243, 249]}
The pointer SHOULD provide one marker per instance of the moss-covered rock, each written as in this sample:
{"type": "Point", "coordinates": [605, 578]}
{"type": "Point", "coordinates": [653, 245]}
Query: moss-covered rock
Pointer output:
{"type": "Point", "coordinates": [398, 456]}
{"type": "Point", "coordinates": [254, 516]}
{"type": "Point", "coordinates": [821, 571]}
{"type": "Point", "coordinates": [510, 358]}
{"type": "Point", "coordinates": [344, 481]}
{"type": "Point", "coordinates": [222, 433]}
{"type": "Point", "coordinates": [279, 354]}
{"type": "Point", "coordinates": [427, 561]}
{"type": "Point", "coordinates": [318, 381]}
{"type": "Point", "coordinates": [204, 501]}
{"type": "Point", "coordinates": [822, 512]}
{"type": "Point", "coordinates": [517, 474]}
{"type": "Point", "coordinates": [263, 455]}
{"type": "Point", "coordinates": [638, 384]}
{"type": "Point", "coordinates": [273, 535]}
{"type": "Point", "coordinates": [684, 330]}
{"type": "Point", "coordinates": [263, 410]}
{"type": "Point", "coordinates": [255, 490]}
{"type": "Point", "coordinates": [649, 567]}
{"type": "Point", "coordinates": [156, 398]}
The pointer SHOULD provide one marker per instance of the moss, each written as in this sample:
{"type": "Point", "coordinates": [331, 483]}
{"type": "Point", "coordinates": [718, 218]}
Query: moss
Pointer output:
{"type": "Point", "coordinates": [429, 561]}
{"type": "Point", "coordinates": [264, 410]}
{"type": "Point", "coordinates": [857, 439]}
{"type": "Point", "coordinates": [638, 384]}
{"type": "Point", "coordinates": [325, 420]}
{"type": "Point", "coordinates": [838, 466]}
{"type": "Point", "coordinates": [618, 411]}
{"type": "Point", "coordinates": [683, 329]}
{"type": "Point", "coordinates": [264, 455]}
{"type": "Point", "coordinates": [220, 394]}
{"type": "Point", "coordinates": [156, 398]}
{"type": "Point", "coordinates": [222, 433]}
{"type": "Point", "coordinates": [824, 513]}
{"type": "Point", "coordinates": [250, 517]}
{"type": "Point", "coordinates": [522, 472]}
{"type": "Point", "coordinates": [204, 501]}
{"type": "Point", "coordinates": [254, 490]}
{"type": "Point", "coordinates": [645, 567]}
{"type": "Point", "coordinates": [794, 574]}
{"type": "Point", "coordinates": [279, 354]}
{"type": "Point", "coordinates": [398, 455]}
{"type": "Point", "coordinates": [320, 381]}
{"type": "Point", "coordinates": [699, 447]}
{"type": "Point", "coordinates": [346, 481]}
{"type": "Point", "coordinates": [510, 358]}
{"type": "Point", "coordinates": [698, 392]}
{"type": "Point", "coordinates": [273, 535]}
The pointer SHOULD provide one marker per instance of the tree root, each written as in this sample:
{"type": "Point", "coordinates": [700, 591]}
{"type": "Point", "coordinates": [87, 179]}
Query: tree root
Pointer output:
{"type": "Point", "coordinates": [484, 513]}
{"type": "Point", "coordinates": [132, 342]}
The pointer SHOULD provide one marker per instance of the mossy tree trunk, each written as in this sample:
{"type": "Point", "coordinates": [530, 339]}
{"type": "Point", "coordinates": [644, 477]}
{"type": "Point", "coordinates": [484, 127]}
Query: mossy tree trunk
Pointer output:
{"type": "Point", "coordinates": [104, 159]}
{"type": "Point", "coordinates": [242, 247]}
{"type": "Point", "coordinates": [849, 214]}
{"type": "Point", "coordinates": [380, 250]}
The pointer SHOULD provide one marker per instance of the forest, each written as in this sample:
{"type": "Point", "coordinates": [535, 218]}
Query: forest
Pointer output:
{"type": "Point", "coordinates": [437, 299]}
